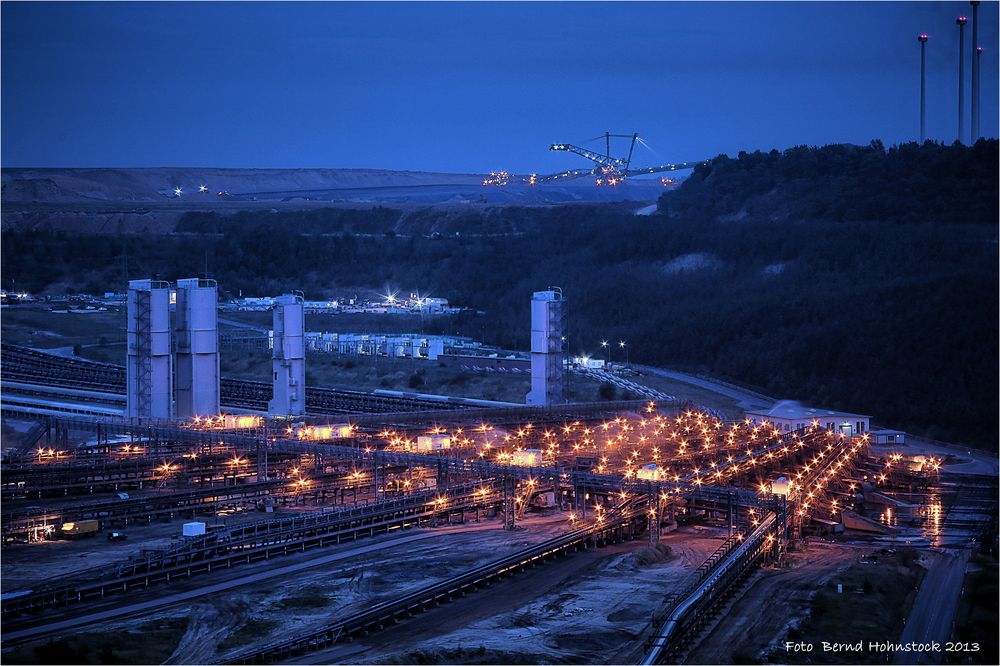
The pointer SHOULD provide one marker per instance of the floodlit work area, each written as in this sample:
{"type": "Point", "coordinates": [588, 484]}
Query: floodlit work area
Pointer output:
{"type": "Point", "coordinates": [236, 521]}
{"type": "Point", "coordinates": [605, 532]}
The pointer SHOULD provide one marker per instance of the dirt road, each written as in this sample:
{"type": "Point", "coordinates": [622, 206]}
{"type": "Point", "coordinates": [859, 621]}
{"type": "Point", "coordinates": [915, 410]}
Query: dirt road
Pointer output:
{"type": "Point", "coordinates": [934, 608]}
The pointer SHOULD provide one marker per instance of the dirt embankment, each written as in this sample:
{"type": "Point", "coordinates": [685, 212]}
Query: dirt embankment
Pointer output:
{"type": "Point", "coordinates": [158, 184]}
{"type": "Point", "coordinates": [123, 201]}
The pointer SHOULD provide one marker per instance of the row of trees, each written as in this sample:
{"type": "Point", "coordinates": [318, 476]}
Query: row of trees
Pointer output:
{"type": "Point", "coordinates": [953, 184]}
{"type": "Point", "coordinates": [890, 316]}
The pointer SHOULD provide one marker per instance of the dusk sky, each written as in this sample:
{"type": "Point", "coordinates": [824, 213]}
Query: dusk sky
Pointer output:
{"type": "Point", "coordinates": [469, 87]}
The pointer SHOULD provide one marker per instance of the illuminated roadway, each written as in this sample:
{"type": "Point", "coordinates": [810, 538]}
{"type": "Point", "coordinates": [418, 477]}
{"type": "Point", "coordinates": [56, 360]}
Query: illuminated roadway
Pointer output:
{"type": "Point", "coordinates": [933, 610]}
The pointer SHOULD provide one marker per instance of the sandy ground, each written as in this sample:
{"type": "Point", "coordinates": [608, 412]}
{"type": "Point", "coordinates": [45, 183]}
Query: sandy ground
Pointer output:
{"type": "Point", "coordinates": [12, 430]}
{"type": "Point", "coordinates": [311, 597]}
{"type": "Point", "coordinates": [585, 608]}
{"type": "Point", "coordinates": [116, 201]}
{"type": "Point", "coordinates": [756, 621]}
{"type": "Point", "coordinates": [973, 461]}
{"type": "Point", "coordinates": [25, 564]}
{"type": "Point", "coordinates": [588, 608]}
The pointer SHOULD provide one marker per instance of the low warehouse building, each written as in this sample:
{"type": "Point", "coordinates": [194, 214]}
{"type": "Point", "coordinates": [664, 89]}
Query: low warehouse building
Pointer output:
{"type": "Point", "coordinates": [788, 415]}
{"type": "Point", "coordinates": [433, 442]}
{"type": "Point", "coordinates": [889, 437]}
{"type": "Point", "coordinates": [527, 457]}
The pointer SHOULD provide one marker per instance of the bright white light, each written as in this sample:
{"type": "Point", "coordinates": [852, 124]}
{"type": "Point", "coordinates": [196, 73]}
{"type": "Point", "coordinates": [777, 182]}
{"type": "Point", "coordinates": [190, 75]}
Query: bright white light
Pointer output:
{"type": "Point", "coordinates": [177, 191]}
{"type": "Point", "coordinates": [203, 188]}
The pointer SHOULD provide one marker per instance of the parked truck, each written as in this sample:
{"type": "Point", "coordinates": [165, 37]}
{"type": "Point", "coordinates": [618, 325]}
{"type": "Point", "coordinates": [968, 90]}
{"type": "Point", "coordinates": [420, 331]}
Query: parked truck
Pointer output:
{"type": "Point", "coordinates": [80, 528]}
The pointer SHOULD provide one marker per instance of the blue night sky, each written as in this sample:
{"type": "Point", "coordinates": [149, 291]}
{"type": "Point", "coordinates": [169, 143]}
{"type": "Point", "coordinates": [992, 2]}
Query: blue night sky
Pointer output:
{"type": "Point", "coordinates": [469, 87]}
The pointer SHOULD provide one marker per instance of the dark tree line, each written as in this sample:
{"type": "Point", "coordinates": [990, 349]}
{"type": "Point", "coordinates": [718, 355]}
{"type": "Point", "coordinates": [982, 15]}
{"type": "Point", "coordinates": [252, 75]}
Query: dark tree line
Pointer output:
{"type": "Point", "coordinates": [908, 183]}
{"type": "Point", "coordinates": [855, 297]}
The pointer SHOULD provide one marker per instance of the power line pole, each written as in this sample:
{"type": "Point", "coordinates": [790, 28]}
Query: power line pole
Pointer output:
{"type": "Point", "coordinates": [961, 21]}
{"type": "Point", "coordinates": [923, 87]}
{"type": "Point", "coordinates": [975, 70]}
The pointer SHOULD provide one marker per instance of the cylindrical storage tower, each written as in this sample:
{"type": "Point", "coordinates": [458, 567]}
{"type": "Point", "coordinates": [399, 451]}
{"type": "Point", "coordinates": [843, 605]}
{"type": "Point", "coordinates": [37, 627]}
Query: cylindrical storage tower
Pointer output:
{"type": "Point", "coordinates": [197, 358]}
{"type": "Point", "coordinates": [546, 348]}
{"type": "Point", "coordinates": [149, 386]}
{"type": "Point", "coordinates": [288, 356]}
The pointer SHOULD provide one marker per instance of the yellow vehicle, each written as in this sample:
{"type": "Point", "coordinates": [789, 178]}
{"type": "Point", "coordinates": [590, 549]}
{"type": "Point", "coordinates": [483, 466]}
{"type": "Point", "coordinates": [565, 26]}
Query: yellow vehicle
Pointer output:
{"type": "Point", "coordinates": [80, 528]}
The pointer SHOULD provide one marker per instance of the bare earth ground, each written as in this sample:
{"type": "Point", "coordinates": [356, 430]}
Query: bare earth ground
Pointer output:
{"type": "Point", "coordinates": [367, 374]}
{"type": "Point", "coordinates": [310, 596]}
{"type": "Point", "coordinates": [588, 608]}
{"type": "Point", "coordinates": [560, 611]}
{"type": "Point", "coordinates": [758, 619]}
{"type": "Point", "coordinates": [36, 326]}
{"type": "Point", "coordinates": [12, 432]}
{"type": "Point", "coordinates": [25, 564]}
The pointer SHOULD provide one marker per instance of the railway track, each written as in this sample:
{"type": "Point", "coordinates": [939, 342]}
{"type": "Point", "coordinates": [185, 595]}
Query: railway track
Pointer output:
{"type": "Point", "coordinates": [123, 511]}
{"type": "Point", "coordinates": [29, 366]}
{"type": "Point", "coordinates": [616, 527]}
{"type": "Point", "coordinates": [27, 481]}
{"type": "Point", "coordinates": [248, 543]}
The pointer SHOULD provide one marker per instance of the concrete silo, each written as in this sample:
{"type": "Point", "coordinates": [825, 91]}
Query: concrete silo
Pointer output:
{"type": "Point", "coordinates": [197, 356]}
{"type": "Point", "coordinates": [149, 371]}
{"type": "Point", "coordinates": [547, 371]}
{"type": "Point", "coordinates": [288, 357]}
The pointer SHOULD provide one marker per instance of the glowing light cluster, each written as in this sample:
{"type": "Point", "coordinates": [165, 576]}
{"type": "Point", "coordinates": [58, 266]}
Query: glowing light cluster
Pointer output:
{"type": "Point", "coordinates": [227, 422]}
{"type": "Point", "coordinates": [692, 448]}
{"type": "Point", "coordinates": [497, 179]}
{"type": "Point", "coordinates": [609, 176]}
{"type": "Point", "coordinates": [322, 432]}
{"type": "Point", "coordinates": [811, 485]}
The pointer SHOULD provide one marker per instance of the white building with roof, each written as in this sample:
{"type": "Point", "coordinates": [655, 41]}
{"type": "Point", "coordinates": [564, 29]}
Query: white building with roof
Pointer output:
{"type": "Point", "coordinates": [887, 436]}
{"type": "Point", "coordinates": [788, 415]}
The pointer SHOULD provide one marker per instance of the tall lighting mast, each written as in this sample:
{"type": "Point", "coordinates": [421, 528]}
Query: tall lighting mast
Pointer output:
{"type": "Point", "coordinates": [975, 70]}
{"type": "Point", "coordinates": [961, 21]}
{"type": "Point", "coordinates": [923, 87]}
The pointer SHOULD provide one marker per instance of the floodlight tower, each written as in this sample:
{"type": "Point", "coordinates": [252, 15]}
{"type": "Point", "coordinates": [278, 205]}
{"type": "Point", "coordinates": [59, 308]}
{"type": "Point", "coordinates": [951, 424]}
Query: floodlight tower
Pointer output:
{"type": "Point", "coordinates": [975, 70]}
{"type": "Point", "coordinates": [923, 87]}
{"type": "Point", "coordinates": [961, 21]}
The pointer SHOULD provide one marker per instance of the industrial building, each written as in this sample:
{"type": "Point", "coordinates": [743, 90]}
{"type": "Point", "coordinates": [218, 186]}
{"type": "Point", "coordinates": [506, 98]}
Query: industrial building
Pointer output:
{"type": "Point", "coordinates": [886, 436]}
{"type": "Point", "coordinates": [787, 415]}
{"type": "Point", "coordinates": [432, 442]}
{"type": "Point", "coordinates": [149, 368]}
{"type": "Point", "coordinates": [399, 345]}
{"type": "Point", "coordinates": [547, 371]}
{"type": "Point", "coordinates": [488, 363]}
{"type": "Point", "coordinates": [587, 362]}
{"type": "Point", "coordinates": [225, 501]}
{"type": "Point", "coordinates": [197, 345]}
{"type": "Point", "coordinates": [395, 345]}
{"type": "Point", "coordinates": [288, 357]}
{"type": "Point", "coordinates": [415, 304]}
